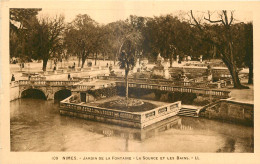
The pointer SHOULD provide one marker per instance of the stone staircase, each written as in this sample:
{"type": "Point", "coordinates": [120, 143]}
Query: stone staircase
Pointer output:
{"type": "Point", "coordinates": [189, 111]}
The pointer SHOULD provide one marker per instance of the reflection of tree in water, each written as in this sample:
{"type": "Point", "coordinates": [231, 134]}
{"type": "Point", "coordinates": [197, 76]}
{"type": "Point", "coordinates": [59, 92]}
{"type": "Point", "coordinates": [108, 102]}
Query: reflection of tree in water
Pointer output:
{"type": "Point", "coordinates": [229, 145]}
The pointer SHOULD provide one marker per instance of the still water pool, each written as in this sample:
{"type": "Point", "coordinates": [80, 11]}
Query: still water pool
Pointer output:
{"type": "Point", "coordinates": [37, 126]}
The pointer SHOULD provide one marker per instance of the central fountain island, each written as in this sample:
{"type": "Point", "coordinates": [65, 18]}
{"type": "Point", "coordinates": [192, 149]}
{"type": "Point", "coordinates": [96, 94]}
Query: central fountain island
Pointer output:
{"type": "Point", "coordinates": [135, 113]}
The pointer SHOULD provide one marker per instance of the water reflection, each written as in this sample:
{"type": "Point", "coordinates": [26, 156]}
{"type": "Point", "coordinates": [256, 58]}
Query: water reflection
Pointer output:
{"type": "Point", "coordinates": [139, 134]}
{"type": "Point", "coordinates": [37, 126]}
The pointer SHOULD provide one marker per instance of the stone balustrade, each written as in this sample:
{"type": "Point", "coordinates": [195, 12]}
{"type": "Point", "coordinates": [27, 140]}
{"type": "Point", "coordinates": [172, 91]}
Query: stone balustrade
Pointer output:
{"type": "Point", "coordinates": [14, 84]}
{"type": "Point", "coordinates": [38, 78]}
{"type": "Point", "coordinates": [194, 83]}
{"type": "Point", "coordinates": [86, 79]}
{"type": "Point", "coordinates": [212, 92]}
{"type": "Point", "coordinates": [186, 88]}
{"type": "Point", "coordinates": [133, 119]}
{"type": "Point", "coordinates": [230, 110]}
{"type": "Point", "coordinates": [44, 82]}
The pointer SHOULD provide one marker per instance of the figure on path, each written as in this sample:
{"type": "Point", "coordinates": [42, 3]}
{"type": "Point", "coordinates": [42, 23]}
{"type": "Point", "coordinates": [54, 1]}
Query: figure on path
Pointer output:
{"type": "Point", "coordinates": [13, 78]}
{"type": "Point", "coordinates": [69, 76]}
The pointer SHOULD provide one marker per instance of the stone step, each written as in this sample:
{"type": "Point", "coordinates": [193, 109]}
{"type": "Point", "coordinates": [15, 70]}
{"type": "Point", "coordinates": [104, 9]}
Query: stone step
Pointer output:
{"type": "Point", "coordinates": [188, 112]}
{"type": "Point", "coordinates": [185, 112]}
{"type": "Point", "coordinates": [187, 109]}
{"type": "Point", "coordinates": [187, 115]}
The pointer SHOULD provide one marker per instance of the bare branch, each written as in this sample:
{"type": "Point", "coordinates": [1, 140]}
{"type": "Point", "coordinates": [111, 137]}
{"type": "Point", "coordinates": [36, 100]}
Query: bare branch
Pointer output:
{"type": "Point", "coordinates": [194, 19]}
{"type": "Point", "coordinates": [190, 20]}
{"type": "Point", "coordinates": [226, 17]}
{"type": "Point", "coordinates": [212, 21]}
{"type": "Point", "coordinates": [231, 17]}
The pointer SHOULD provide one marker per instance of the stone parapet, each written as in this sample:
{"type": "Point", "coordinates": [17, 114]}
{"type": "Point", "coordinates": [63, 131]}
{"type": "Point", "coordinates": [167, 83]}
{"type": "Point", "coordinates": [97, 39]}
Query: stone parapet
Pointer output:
{"type": "Point", "coordinates": [230, 110]}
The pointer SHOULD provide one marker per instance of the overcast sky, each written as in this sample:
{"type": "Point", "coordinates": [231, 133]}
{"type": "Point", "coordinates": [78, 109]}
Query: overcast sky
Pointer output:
{"type": "Point", "coordinates": [109, 12]}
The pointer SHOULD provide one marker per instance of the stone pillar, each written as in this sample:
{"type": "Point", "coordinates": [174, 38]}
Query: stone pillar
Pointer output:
{"type": "Point", "coordinates": [201, 56]}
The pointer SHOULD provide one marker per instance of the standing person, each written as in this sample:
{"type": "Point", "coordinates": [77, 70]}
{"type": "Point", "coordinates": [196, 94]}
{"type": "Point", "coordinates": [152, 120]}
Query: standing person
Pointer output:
{"type": "Point", "coordinates": [68, 76]}
{"type": "Point", "coordinates": [21, 67]}
{"type": "Point", "coordinates": [29, 77]}
{"type": "Point", "coordinates": [13, 78]}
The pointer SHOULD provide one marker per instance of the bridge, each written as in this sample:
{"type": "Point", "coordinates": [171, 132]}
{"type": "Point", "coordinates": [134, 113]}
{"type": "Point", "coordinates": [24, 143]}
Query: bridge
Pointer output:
{"type": "Point", "coordinates": [51, 87]}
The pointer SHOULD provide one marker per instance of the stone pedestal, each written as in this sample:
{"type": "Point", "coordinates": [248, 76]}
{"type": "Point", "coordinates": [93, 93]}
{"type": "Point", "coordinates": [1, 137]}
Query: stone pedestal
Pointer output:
{"type": "Point", "coordinates": [161, 71]}
{"type": "Point", "coordinates": [137, 67]}
{"type": "Point", "coordinates": [201, 57]}
{"type": "Point", "coordinates": [161, 68]}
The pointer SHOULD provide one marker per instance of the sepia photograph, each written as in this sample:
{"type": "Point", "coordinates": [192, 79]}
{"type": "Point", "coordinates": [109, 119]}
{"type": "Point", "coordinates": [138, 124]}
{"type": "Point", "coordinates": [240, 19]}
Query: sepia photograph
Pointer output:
{"type": "Point", "coordinates": [134, 78]}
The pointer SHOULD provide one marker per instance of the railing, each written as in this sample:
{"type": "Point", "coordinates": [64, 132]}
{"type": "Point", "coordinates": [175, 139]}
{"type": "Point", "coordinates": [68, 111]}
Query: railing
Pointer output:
{"type": "Point", "coordinates": [30, 82]}
{"type": "Point", "coordinates": [83, 87]}
{"type": "Point", "coordinates": [220, 93]}
{"type": "Point", "coordinates": [139, 117]}
{"type": "Point", "coordinates": [98, 111]}
{"type": "Point", "coordinates": [196, 83]}
{"type": "Point", "coordinates": [86, 79]}
{"type": "Point", "coordinates": [37, 78]}
{"type": "Point", "coordinates": [14, 84]}
{"type": "Point", "coordinates": [50, 83]}
{"type": "Point", "coordinates": [160, 111]}
{"type": "Point", "coordinates": [67, 100]}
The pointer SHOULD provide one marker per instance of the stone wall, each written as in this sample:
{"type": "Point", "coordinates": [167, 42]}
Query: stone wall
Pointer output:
{"type": "Point", "coordinates": [189, 71]}
{"type": "Point", "coordinates": [76, 74]}
{"type": "Point", "coordinates": [192, 72]}
{"type": "Point", "coordinates": [14, 92]}
{"type": "Point", "coordinates": [167, 96]}
{"type": "Point", "coordinates": [231, 111]}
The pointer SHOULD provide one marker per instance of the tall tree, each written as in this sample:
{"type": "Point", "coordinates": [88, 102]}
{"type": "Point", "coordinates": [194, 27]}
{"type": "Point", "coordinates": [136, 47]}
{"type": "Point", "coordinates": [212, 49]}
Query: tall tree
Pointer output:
{"type": "Point", "coordinates": [119, 30]}
{"type": "Point", "coordinates": [167, 35]}
{"type": "Point", "coordinates": [222, 38]}
{"type": "Point", "coordinates": [127, 58]}
{"type": "Point", "coordinates": [248, 35]}
{"type": "Point", "coordinates": [47, 39]}
{"type": "Point", "coordinates": [80, 36]}
{"type": "Point", "coordinates": [21, 24]}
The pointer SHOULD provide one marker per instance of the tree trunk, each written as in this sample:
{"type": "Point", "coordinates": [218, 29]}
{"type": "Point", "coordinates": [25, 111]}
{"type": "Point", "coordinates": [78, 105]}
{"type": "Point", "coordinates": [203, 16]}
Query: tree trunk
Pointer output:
{"type": "Point", "coordinates": [229, 61]}
{"type": "Point", "coordinates": [126, 86]}
{"type": "Point", "coordinates": [83, 61]}
{"type": "Point", "coordinates": [235, 78]}
{"type": "Point", "coordinates": [115, 59]}
{"type": "Point", "coordinates": [171, 57]}
{"type": "Point", "coordinates": [233, 72]}
{"type": "Point", "coordinates": [250, 76]}
{"type": "Point", "coordinates": [79, 62]}
{"type": "Point", "coordinates": [44, 64]}
{"type": "Point", "coordinates": [96, 59]}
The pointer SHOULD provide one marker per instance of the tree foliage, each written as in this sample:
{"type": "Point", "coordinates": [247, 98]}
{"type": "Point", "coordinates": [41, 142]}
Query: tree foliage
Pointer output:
{"type": "Point", "coordinates": [21, 25]}
{"type": "Point", "coordinates": [80, 36]}
{"type": "Point", "coordinates": [125, 40]}
{"type": "Point", "coordinates": [223, 35]}
{"type": "Point", "coordinates": [128, 53]}
{"type": "Point", "coordinates": [47, 40]}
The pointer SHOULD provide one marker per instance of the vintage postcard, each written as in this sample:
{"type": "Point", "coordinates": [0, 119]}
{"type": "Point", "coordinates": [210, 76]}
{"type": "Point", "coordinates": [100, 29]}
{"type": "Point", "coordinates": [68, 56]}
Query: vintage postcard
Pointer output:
{"type": "Point", "coordinates": [129, 82]}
